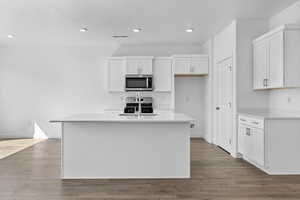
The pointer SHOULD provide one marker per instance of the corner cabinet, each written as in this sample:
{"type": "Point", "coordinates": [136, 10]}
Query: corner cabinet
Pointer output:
{"type": "Point", "coordinates": [270, 143]}
{"type": "Point", "coordinates": [139, 65]}
{"type": "Point", "coordinates": [116, 71]}
{"type": "Point", "coordinates": [276, 58]}
{"type": "Point", "coordinates": [190, 64]}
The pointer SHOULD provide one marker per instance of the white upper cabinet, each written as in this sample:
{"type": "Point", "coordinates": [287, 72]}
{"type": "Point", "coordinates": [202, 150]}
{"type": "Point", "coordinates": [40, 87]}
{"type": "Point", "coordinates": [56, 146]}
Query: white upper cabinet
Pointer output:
{"type": "Point", "coordinates": [276, 58]}
{"type": "Point", "coordinates": [162, 74]}
{"type": "Point", "coordinates": [182, 65]}
{"type": "Point", "coordinates": [199, 65]}
{"type": "Point", "coordinates": [116, 78]}
{"type": "Point", "coordinates": [191, 64]}
{"type": "Point", "coordinates": [261, 63]}
{"type": "Point", "coordinates": [139, 65]}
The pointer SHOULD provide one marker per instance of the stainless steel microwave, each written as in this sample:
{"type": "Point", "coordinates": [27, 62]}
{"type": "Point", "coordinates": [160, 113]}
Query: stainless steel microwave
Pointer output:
{"type": "Point", "coordinates": [138, 83]}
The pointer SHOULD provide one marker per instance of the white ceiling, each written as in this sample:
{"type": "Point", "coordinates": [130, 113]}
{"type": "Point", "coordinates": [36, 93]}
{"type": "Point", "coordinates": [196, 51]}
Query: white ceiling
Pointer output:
{"type": "Point", "coordinates": [162, 21]}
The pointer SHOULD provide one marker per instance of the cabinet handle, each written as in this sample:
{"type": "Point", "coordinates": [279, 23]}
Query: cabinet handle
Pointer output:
{"type": "Point", "coordinates": [255, 123]}
{"type": "Point", "coordinates": [243, 120]}
{"type": "Point", "coordinates": [229, 104]}
{"type": "Point", "coordinates": [192, 69]}
{"type": "Point", "coordinates": [265, 82]}
{"type": "Point", "coordinates": [248, 131]}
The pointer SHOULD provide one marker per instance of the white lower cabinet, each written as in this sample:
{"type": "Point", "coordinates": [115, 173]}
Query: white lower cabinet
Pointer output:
{"type": "Point", "coordinates": [270, 143]}
{"type": "Point", "coordinates": [251, 140]}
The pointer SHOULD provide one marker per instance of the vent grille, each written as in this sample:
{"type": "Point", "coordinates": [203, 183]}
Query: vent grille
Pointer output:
{"type": "Point", "coordinates": [120, 36]}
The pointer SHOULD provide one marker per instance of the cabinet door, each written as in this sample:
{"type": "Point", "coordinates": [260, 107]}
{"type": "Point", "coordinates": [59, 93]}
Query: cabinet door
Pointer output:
{"type": "Point", "coordinates": [162, 70]}
{"type": "Point", "coordinates": [139, 66]}
{"type": "Point", "coordinates": [254, 145]}
{"type": "Point", "coordinates": [241, 138]}
{"type": "Point", "coordinates": [276, 72]}
{"type": "Point", "coordinates": [131, 66]}
{"type": "Point", "coordinates": [199, 66]}
{"type": "Point", "coordinates": [144, 66]}
{"type": "Point", "coordinates": [260, 64]}
{"type": "Point", "coordinates": [116, 75]}
{"type": "Point", "coordinates": [258, 153]}
{"type": "Point", "coordinates": [182, 65]}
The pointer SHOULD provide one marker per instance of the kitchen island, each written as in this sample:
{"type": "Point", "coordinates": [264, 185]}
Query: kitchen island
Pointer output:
{"type": "Point", "coordinates": [110, 146]}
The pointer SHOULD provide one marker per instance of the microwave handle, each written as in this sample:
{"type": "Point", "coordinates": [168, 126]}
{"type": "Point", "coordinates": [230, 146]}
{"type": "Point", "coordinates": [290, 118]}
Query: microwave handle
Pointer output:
{"type": "Point", "coordinates": [147, 83]}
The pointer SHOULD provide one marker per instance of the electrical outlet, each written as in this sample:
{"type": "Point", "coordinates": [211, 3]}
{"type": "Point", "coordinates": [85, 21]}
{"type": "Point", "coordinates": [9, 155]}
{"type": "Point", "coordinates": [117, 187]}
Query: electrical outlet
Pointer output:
{"type": "Point", "coordinates": [289, 99]}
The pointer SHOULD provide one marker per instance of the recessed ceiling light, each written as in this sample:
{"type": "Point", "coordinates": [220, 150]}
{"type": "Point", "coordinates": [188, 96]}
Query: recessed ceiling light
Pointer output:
{"type": "Point", "coordinates": [137, 30]}
{"type": "Point", "coordinates": [10, 36]}
{"type": "Point", "coordinates": [83, 30]}
{"type": "Point", "coordinates": [189, 30]}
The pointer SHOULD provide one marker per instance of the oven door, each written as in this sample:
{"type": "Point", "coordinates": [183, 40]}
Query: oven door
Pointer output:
{"type": "Point", "coordinates": [138, 83]}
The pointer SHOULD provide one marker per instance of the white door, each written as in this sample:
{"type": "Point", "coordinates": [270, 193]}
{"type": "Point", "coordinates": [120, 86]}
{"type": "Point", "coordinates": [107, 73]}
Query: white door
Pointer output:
{"type": "Point", "coordinates": [182, 65]}
{"type": "Point", "coordinates": [276, 61]}
{"type": "Point", "coordinates": [162, 74]}
{"type": "Point", "coordinates": [261, 62]}
{"type": "Point", "coordinates": [225, 106]}
{"type": "Point", "coordinates": [116, 78]}
{"type": "Point", "coordinates": [199, 66]}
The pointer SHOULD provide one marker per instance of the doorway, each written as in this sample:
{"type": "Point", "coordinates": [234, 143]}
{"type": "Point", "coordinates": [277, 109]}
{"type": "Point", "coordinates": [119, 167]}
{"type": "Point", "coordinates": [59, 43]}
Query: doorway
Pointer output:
{"type": "Point", "coordinates": [224, 105]}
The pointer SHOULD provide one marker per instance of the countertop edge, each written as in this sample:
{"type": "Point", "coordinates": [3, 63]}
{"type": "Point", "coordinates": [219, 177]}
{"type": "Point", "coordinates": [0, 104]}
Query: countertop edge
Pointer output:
{"type": "Point", "coordinates": [265, 117]}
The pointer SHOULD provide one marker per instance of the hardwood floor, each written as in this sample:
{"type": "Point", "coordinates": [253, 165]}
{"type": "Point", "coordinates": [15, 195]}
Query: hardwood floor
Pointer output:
{"type": "Point", "coordinates": [12, 146]}
{"type": "Point", "coordinates": [33, 174]}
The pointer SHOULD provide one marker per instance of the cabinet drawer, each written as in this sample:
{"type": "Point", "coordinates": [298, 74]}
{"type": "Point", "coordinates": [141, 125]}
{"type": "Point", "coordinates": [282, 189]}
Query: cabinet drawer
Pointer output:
{"type": "Point", "coordinates": [253, 122]}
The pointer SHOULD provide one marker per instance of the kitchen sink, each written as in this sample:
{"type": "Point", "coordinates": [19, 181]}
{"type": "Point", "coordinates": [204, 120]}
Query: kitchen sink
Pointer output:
{"type": "Point", "coordinates": [136, 115]}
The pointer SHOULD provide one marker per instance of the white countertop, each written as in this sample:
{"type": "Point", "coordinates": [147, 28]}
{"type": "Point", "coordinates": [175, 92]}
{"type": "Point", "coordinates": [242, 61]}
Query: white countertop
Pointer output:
{"type": "Point", "coordinates": [115, 117]}
{"type": "Point", "coordinates": [270, 114]}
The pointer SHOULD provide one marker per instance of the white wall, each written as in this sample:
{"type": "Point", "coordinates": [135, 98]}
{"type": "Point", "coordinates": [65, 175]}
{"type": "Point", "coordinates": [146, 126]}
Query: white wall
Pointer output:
{"type": "Point", "coordinates": [190, 96]}
{"type": "Point", "coordinates": [157, 49]}
{"type": "Point", "coordinates": [287, 99]}
{"type": "Point", "coordinates": [39, 83]}
{"type": "Point", "coordinates": [207, 48]}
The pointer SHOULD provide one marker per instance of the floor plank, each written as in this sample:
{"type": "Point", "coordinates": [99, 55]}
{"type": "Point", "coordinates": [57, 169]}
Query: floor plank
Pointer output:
{"type": "Point", "coordinates": [11, 146]}
{"type": "Point", "coordinates": [34, 174]}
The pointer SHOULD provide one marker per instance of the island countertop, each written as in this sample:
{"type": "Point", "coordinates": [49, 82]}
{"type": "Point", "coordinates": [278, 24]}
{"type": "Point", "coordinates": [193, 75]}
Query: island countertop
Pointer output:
{"type": "Point", "coordinates": [115, 117]}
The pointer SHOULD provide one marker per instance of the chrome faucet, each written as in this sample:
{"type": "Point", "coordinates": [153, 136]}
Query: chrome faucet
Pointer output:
{"type": "Point", "coordinates": [139, 98]}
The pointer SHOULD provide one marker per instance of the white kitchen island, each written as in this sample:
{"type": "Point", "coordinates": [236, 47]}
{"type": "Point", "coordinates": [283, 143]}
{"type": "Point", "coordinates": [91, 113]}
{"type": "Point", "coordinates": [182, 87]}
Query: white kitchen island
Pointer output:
{"type": "Point", "coordinates": [109, 146]}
